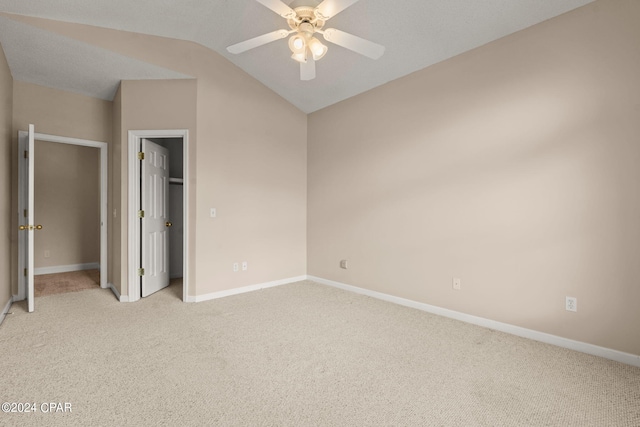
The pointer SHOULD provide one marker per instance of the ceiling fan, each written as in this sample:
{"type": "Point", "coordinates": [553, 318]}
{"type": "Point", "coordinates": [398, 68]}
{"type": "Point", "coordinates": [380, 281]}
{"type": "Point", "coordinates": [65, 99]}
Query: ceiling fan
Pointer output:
{"type": "Point", "coordinates": [304, 22]}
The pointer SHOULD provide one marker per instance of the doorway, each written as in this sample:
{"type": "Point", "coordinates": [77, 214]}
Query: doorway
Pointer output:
{"type": "Point", "coordinates": [67, 204]}
{"type": "Point", "coordinates": [27, 153]}
{"type": "Point", "coordinates": [147, 233]}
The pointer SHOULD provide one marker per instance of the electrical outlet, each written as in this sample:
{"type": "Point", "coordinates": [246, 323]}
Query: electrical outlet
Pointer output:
{"type": "Point", "coordinates": [457, 283]}
{"type": "Point", "coordinates": [344, 264]}
{"type": "Point", "coordinates": [236, 267]}
{"type": "Point", "coordinates": [571, 304]}
{"type": "Point", "coordinates": [245, 265]}
{"type": "Point", "coordinates": [47, 253]}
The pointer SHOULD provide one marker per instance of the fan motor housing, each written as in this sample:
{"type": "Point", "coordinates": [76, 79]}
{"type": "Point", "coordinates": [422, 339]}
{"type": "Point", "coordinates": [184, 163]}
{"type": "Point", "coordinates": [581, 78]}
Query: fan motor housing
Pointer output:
{"type": "Point", "coordinates": [305, 14]}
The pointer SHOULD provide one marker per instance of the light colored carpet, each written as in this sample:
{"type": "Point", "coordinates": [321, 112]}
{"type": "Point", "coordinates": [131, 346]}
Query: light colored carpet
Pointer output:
{"type": "Point", "coordinates": [72, 281]}
{"type": "Point", "coordinates": [296, 355]}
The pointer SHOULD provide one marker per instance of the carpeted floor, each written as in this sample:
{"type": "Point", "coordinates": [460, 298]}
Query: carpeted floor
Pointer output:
{"type": "Point", "coordinates": [301, 354]}
{"type": "Point", "coordinates": [72, 281]}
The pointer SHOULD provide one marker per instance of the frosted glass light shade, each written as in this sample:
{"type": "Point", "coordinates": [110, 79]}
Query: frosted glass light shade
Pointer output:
{"type": "Point", "coordinates": [318, 50]}
{"type": "Point", "coordinates": [297, 44]}
{"type": "Point", "coordinates": [300, 57]}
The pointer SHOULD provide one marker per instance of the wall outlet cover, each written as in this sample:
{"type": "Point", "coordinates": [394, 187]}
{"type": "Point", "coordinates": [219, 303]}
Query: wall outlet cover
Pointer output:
{"type": "Point", "coordinates": [571, 304]}
{"type": "Point", "coordinates": [457, 283]}
{"type": "Point", "coordinates": [344, 264]}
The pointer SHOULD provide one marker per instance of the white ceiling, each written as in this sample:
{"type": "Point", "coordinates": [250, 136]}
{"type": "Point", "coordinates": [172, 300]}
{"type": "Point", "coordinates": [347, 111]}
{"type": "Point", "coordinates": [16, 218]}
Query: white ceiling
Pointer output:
{"type": "Point", "coordinates": [416, 34]}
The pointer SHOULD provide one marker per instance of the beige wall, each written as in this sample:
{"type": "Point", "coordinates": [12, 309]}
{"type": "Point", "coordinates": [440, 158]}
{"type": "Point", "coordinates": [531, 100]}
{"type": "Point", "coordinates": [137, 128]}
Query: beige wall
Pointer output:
{"type": "Point", "coordinates": [242, 162]}
{"type": "Point", "coordinates": [6, 108]}
{"type": "Point", "coordinates": [252, 167]}
{"type": "Point", "coordinates": [152, 105]}
{"type": "Point", "coordinates": [115, 195]}
{"type": "Point", "coordinates": [61, 113]}
{"type": "Point", "coordinates": [513, 167]}
{"type": "Point", "coordinates": [67, 204]}
{"type": "Point", "coordinates": [250, 163]}
{"type": "Point", "coordinates": [57, 112]}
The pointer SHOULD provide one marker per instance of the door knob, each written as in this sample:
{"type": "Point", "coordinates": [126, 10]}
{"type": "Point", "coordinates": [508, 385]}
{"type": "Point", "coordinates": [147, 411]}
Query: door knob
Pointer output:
{"type": "Point", "coordinates": [168, 224]}
{"type": "Point", "coordinates": [30, 227]}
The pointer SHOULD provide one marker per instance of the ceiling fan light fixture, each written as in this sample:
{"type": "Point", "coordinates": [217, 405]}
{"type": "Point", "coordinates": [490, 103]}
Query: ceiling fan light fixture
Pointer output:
{"type": "Point", "coordinates": [306, 20]}
{"type": "Point", "coordinates": [318, 50]}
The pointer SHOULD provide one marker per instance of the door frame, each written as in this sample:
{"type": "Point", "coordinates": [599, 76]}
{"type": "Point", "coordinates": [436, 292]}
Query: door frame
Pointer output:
{"type": "Point", "coordinates": [104, 183]}
{"type": "Point", "coordinates": [134, 244]}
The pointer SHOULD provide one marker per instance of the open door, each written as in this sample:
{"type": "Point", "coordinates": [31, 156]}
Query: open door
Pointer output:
{"type": "Point", "coordinates": [26, 155]}
{"type": "Point", "coordinates": [154, 217]}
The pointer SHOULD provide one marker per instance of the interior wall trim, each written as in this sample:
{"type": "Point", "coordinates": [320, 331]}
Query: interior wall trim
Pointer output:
{"type": "Point", "coordinates": [250, 288]}
{"type": "Point", "coordinates": [607, 353]}
{"type": "Point", "coordinates": [117, 294]}
{"type": "Point", "coordinates": [66, 268]}
{"type": "Point", "coordinates": [130, 218]}
{"type": "Point", "coordinates": [104, 191]}
{"type": "Point", "coordinates": [5, 310]}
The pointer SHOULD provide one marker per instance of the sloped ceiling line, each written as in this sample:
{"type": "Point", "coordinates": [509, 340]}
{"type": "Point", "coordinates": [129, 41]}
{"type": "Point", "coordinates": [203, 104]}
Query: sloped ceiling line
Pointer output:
{"type": "Point", "coordinates": [416, 34]}
{"type": "Point", "coordinates": [41, 57]}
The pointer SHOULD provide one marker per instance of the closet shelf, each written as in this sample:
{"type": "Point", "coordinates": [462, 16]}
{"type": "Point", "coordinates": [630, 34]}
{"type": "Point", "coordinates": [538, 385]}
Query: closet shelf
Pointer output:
{"type": "Point", "coordinates": [176, 181]}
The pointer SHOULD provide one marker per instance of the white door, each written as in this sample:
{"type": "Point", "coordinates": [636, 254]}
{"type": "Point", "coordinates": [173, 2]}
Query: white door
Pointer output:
{"type": "Point", "coordinates": [154, 181]}
{"type": "Point", "coordinates": [26, 155]}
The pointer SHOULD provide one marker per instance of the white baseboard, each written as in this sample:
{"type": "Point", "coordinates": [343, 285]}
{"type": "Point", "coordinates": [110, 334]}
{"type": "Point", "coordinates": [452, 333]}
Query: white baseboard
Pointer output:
{"type": "Point", "coordinates": [117, 294]}
{"type": "Point", "coordinates": [66, 268]}
{"type": "Point", "coordinates": [5, 310]}
{"type": "Point", "coordinates": [250, 288]}
{"type": "Point", "coordinates": [607, 353]}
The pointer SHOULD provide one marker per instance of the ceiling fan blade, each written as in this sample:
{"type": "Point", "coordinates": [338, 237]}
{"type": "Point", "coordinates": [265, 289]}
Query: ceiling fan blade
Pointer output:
{"type": "Point", "coordinates": [257, 41]}
{"type": "Point", "coordinates": [308, 69]}
{"type": "Point", "coordinates": [330, 8]}
{"type": "Point", "coordinates": [364, 47]}
{"type": "Point", "coordinates": [278, 7]}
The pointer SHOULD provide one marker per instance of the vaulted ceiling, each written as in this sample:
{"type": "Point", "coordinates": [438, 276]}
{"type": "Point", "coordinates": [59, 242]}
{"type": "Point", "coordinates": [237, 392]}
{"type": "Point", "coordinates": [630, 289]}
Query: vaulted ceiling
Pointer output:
{"type": "Point", "coordinates": [415, 33]}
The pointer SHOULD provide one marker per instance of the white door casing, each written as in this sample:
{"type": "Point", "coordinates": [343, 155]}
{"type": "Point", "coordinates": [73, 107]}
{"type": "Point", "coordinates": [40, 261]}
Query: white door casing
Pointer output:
{"type": "Point", "coordinates": [26, 192]}
{"type": "Point", "coordinates": [155, 219]}
{"type": "Point", "coordinates": [134, 243]}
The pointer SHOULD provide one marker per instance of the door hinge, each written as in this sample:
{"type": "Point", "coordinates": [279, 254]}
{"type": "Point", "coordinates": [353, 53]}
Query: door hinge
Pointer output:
{"type": "Point", "coordinates": [140, 214]}
{"type": "Point", "coordinates": [25, 271]}
{"type": "Point", "coordinates": [26, 213]}
{"type": "Point", "coordinates": [141, 272]}
{"type": "Point", "coordinates": [141, 155]}
{"type": "Point", "coordinates": [26, 154]}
